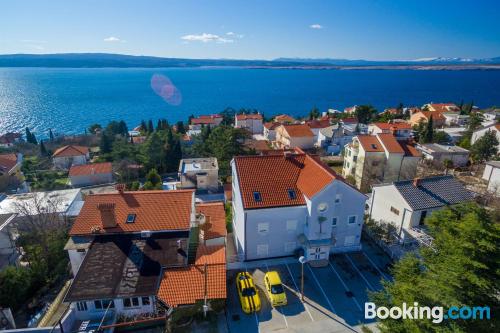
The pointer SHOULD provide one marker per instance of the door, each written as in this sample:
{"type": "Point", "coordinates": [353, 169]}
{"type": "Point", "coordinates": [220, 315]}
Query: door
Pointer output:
{"type": "Point", "coordinates": [423, 215]}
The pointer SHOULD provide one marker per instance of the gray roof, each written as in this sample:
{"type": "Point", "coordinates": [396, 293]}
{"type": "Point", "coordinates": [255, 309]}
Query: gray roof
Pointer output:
{"type": "Point", "coordinates": [495, 164]}
{"type": "Point", "coordinates": [439, 148]}
{"type": "Point", "coordinates": [328, 131]}
{"type": "Point", "coordinates": [433, 192]}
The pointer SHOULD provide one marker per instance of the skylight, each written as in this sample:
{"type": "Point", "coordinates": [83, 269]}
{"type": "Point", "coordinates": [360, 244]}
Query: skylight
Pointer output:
{"type": "Point", "coordinates": [374, 146]}
{"type": "Point", "coordinates": [291, 194]}
{"type": "Point", "coordinates": [130, 218]}
{"type": "Point", "coordinates": [257, 197]}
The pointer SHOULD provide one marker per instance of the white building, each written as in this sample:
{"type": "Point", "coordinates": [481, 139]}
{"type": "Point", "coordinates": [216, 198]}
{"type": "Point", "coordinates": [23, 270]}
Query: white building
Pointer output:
{"type": "Point", "coordinates": [334, 138]}
{"type": "Point", "coordinates": [400, 130]}
{"type": "Point", "coordinates": [492, 176]}
{"type": "Point", "coordinates": [292, 202]}
{"type": "Point", "coordinates": [65, 157]}
{"type": "Point", "coordinates": [406, 204]}
{"type": "Point", "coordinates": [250, 122]}
{"type": "Point", "coordinates": [438, 153]}
{"type": "Point", "coordinates": [479, 133]}
{"type": "Point", "coordinates": [294, 136]}
{"type": "Point", "coordinates": [270, 130]}
{"type": "Point", "coordinates": [455, 119]}
{"type": "Point", "coordinates": [199, 173]}
{"type": "Point", "coordinates": [9, 253]}
{"type": "Point", "coordinates": [197, 123]}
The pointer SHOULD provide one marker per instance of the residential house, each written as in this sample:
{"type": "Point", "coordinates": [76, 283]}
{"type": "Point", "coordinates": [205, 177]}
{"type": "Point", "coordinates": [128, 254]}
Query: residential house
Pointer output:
{"type": "Point", "coordinates": [480, 132]}
{"type": "Point", "coordinates": [438, 153]}
{"type": "Point", "coordinates": [455, 134]}
{"type": "Point", "coordinates": [316, 125]}
{"type": "Point", "coordinates": [91, 174]}
{"type": "Point", "coordinates": [351, 110]}
{"type": "Point", "coordinates": [66, 156]}
{"type": "Point", "coordinates": [491, 115]}
{"type": "Point", "coordinates": [333, 138]}
{"type": "Point", "coordinates": [135, 252]}
{"type": "Point", "coordinates": [199, 173]}
{"type": "Point", "coordinates": [270, 130]}
{"type": "Point", "coordinates": [380, 158]}
{"type": "Point", "coordinates": [212, 121]}
{"type": "Point", "coordinates": [455, 119]}
{"type": "Point", "coordinates": [9, 139]}
{"type": "Point", "coordinates": [284, 119]}
{"type": "Point", "coordinates": [438, 120]}
{"type": "Point", "coordinates": [296, 135]}
{"type": "Point", "coordinates": [11, 176]}
{"type": "Point", "coordinates": [401, 130]}
{"type": "Point", "coordinates": [492, 176]}
{"type": "Point", "coordinates": [406, 204]}
{"type": "Point", "coordinates": [441, 107]}
{"type": "Point", "coordinates": [213, 215]}
{"type": "Point", "coordinates": [290, 203]}
{"type": "Point", "coordinates": [392, 111]}
{"type": "Point", "coordinates": [250, 122]}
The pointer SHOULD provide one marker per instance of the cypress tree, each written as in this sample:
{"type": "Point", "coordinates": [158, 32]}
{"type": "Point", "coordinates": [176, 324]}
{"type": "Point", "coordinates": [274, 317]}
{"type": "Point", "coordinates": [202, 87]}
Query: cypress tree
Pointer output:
{"type": "Point", "coordinates": [159, 126]}
{"type": "Point", "coordinates": [43, 150]}
{"type": "Point", "coordinates": [150, 126]}
{"type": "Point", "coordinates": [429, 131]}
{"type": "Point", "coordinates": [51, 135]}
{"type": "Point", "coordinates": [144, 127]}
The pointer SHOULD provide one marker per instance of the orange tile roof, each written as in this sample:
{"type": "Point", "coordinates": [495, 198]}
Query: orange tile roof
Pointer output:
{"type": "Point", "coordinates": [443, 107]}
{"type": "Point", "coordinates": [7, 162]}
{"type": "Point", "coordinates": [274, 175]}
{"type": "Point", "coordinates": [298, 130]}
{"type": "Point", "coordinates": [154, 210]}
{"type": "Point", "coordinates": [216, 223]}
{"type": "Point", "coordinates": [390, 143]}
{"type": "Point", "coordinates": [436, 115]}
{"type": "Point", "coordinates": [370, 143]}
{"type": "Point", "coordinates": [318, 123]}
{"type": "Point", "coordinates": [68, 151]}
{"type": "Point", "coordinates": [255, 116]}
{"type": "Point", "coordinates": [186, 285]}
{"type": "Point", "coordinates": [410, 149]}
{"type": "Point", "coordinates": [282, 118]}
{"type": "Point", "coordinates": [389, 126]}
{"type": "Point", "coordinates": [90, 169]}
{"type": "Point", "coordinates": [138, 139]}
{"type": "Point", "coordinates": [205, 119]}
{"type": "Point", "coordinates": [271, 125]}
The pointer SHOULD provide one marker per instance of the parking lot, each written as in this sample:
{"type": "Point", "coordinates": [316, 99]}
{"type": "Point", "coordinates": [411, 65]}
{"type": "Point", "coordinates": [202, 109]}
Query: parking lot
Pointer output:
{"type": "Point", "coordinates": [334, 295]}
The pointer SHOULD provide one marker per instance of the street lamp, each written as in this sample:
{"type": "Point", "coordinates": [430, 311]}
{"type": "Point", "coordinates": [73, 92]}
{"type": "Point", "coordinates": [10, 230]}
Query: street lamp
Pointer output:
{"type": "Point", "coordinates": [302, 260]}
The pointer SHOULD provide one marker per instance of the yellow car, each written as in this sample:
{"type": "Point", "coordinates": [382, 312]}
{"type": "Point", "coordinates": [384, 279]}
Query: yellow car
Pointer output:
{"type": "Point", "coordinates": [275, 289]}
{"type": "Point", "coordinates": [249, 297]}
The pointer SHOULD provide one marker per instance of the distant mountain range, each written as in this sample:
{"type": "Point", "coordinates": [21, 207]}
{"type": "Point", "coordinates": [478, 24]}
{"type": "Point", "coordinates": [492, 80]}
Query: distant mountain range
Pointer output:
{"type": "Point", "coordinates": [97, 60]}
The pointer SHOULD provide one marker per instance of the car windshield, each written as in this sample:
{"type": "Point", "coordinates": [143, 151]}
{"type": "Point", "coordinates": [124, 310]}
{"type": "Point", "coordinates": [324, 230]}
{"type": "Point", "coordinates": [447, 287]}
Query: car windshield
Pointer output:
{"type": "Point", "coordinates": [248, 291]}
{"type": "Point", "coordinates": [276, 289]}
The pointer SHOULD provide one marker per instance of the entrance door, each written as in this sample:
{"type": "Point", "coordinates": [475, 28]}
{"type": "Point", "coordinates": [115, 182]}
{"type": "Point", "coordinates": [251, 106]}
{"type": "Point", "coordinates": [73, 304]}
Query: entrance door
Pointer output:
{"type": "Point", "coordinates": [423, 215]}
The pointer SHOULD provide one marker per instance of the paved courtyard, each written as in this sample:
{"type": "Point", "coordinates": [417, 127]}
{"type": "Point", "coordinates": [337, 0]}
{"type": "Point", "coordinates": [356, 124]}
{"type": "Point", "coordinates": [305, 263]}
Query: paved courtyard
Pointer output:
{"type": "Point", "coordinates": [334, 295]}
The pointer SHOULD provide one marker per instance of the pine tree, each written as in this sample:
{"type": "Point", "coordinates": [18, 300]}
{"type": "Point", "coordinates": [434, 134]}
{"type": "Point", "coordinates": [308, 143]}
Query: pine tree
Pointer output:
{"type": "Point", "coordinates": [144, 127]}
{"type": "Point", "coordinates": [29, 138]}
{"type": "Point", "coordinates": [485, 148]}
{"type": "Point", "coordinates": [106, 143]}
{"type": "Point", "coordinates": [159, 126]}
{"type": "Point", "coordinates": [429, 131]}
{"type": "Point", "coordinates": [123, 128]}
{"type": "Point", "coordinates": [180, 127]}
{"type": "Point", "coordinates": [151, 128]}
{"type": "Point", "coordinates": [33, 139]}
{"type": "Point", "coordinates": [51, 135]}
{"type": "Point", "coordinates": [43, 150]}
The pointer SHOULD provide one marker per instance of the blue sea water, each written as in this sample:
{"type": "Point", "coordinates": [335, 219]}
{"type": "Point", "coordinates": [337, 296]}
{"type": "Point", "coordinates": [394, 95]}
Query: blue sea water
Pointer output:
{"type": "Point", "coordinates": [68, 100]}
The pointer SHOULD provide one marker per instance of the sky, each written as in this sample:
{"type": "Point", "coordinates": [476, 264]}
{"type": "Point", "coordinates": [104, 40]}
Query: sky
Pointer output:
{"type": "Point", "coordinates": [269, 29]}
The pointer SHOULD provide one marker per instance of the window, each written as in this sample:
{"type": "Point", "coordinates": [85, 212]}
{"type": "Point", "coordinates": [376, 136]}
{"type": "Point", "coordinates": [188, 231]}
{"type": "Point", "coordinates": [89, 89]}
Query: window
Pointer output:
{"type": "Point", "coordinates": [291, 225]}
{"type": "Point", "coordinates": [257, 197]}
{"type": "Point", "coordinates": [374, 146]}
{"type": "Point", "coordinates": [145, 301]}
{"type": "Point", "coordinates": [291, 194]}
{"type": "Point", "coordinates": [130, 302]}
{"type": "Point", "coordinates": [351, 219]}
{"type": "Point", "coordinates": [334, 222]}
{"type": "Point", "coordinates": [103, 304]}
{"type": "Point", "coordinates": [338, 197]}
{"type": "Point", "coordinates": [354, 158]}
{"type": "Point", "coordinates": [290, 246]}
{"type": "Point", "coordinates": [98, 304]}
{"type": "Point", "coordinates": [263, 228]}
{"type": "Point", "coordinates": [130, 218]}
{"type": "Point", "coordinates": [262, 249]}
{"type": "Point", "coordinates": [394, 210]}
{"type": "Point", "coordinates": [81, 306]}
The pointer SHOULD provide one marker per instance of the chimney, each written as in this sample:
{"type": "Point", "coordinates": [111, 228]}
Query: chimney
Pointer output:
{"type": "Point", "coordinates": [120, 188]}
{"type": "Point", "coordinates": [108, 218]}
{"type": "Point", "coordinates": [416, 182]}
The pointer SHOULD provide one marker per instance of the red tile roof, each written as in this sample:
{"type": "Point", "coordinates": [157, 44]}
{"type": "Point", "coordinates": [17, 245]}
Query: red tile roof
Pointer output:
{"type": "Point", "coordinates": [215, 219]}
{"type": "Point", "coordinates": [7, 162]}
{"type": "Point", "coordinates": [284, 118]}
{"type": "Point", "coordinates": [390, 143]}
{"type": "Point", "coordinates": [255, 116]}
{"type": "Point", "coordinates": [298, 130]}
{"type": "Point", "coordinates": [272, 176]}
{"type": "Point", "coordinates": [318, 123]}
{"type": "Point", "coordinates": [444, 107]}
{"type": "Point", "coordinates": [435, 115]}
{"type": "Point", "coordinates": [10, 138]}
{"type": "Point", "coordinates": [154, 210]}
{"type": "Point", "coordinates": [410, 149]}
{"type": "Point", "coordinates": [68, 151]}
{"type": "Point", "coordinates": [205, 119]}
{"type": "Point", "coordinates": [90, 169]}
{"type": "Point", "coordinates": [390, 126]}
{"type": "Point", "coordinates": [370, 143]}
{"type": "Point", "coordinates": [271, 125]}
{"type": "Point", "coordinates": [186, 285]}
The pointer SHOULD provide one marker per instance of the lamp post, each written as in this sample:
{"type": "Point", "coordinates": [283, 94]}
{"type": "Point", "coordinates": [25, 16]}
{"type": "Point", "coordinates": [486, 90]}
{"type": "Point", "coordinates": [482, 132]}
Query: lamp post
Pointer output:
{"type": "Point", "coordinates": [302, 260]}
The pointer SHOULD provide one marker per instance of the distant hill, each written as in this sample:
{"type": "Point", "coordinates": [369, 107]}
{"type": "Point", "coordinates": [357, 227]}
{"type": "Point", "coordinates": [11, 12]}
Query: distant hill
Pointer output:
{"type": "Point", "coordinates": [97, 60]}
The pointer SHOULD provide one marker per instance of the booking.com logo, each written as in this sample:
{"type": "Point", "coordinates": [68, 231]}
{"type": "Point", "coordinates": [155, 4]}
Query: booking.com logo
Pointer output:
{"type": "Point", "coordinates": [436, 313]}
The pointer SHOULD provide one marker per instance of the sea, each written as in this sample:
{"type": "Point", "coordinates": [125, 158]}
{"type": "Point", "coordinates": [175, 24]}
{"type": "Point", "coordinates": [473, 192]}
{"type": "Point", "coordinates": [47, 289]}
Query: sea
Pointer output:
{"type": "Point", "coordinates": [69, 100]}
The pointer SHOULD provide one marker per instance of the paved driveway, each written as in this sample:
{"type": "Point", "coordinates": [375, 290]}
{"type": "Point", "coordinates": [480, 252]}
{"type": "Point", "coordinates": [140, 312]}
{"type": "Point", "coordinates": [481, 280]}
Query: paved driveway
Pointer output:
{"type": "Point", "coordinates": [334, 295]}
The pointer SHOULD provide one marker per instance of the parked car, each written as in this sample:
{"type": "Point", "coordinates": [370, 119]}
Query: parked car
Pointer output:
{"type": "Point", "coordinates": [249, 297]}
{"type": "Point", "coordinates": [275, 290]}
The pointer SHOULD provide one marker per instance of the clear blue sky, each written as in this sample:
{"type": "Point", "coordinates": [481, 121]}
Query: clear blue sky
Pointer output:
{"type": "Point", "coordinates": [267, 29]}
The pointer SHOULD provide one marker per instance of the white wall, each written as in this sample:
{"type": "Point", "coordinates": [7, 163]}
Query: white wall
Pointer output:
{"type": "Point", "coordinates": [492, 176]}
{"type": "Point", "coordinates": [385, 197]}
{"type": "Point", "coordinates": [76, 259]}
{"type": "Point", "coordinates": [93, 312]}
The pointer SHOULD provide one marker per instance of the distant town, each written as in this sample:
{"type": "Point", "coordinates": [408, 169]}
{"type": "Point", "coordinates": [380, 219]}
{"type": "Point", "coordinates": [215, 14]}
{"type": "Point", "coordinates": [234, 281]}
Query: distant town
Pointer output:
{"type": "Point", "coordinates": [238, 221]}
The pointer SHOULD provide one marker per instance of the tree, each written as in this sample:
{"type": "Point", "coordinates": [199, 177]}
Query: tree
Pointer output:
{"type": "Point", "coordinates": [155, 152]}
{"type": "Point", "coordinates": [314, 113]}
{"type": "Point", "coordinates": [150, 126]}
{"type": "Point", "coordinates": [448, 164]}
{"type": "Point", "coordinates": [429, 130]}
{"type": "Point", "coordinates": [153, 180]}
{"type": "Point", "coordinates": [51, 135]}
{"type": "Point", "coordinates": [106, 144]}
{"type": "Point", "coordinates": [461, 268]}
{"type": "Point", "coordinates": [228, 116]}
{"type": "Point", "coordinates": [43, 150]}
{"type": "Point", "coordinates": [485, 148]}
{"type": "Point", "coordinates": [180, 127]}
{"type": "Point", "coordinates": [123, 129]}
{"type": "Point", "coordinates": [365, 113]}
{"type": "Point", "coordinates": [94, 128]}
{"type": "Point", "coordinates": [30, 137]}
{"type": "Point", "coordinates": [144, 126]}
{"type": "Point", "coordinates": [440, 137]}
